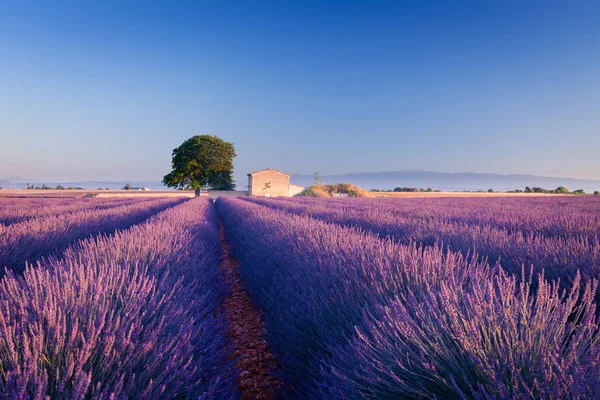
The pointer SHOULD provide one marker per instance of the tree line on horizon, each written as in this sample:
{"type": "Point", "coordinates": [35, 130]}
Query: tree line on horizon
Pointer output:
{"type": "Point", "coordinates": [558, 190]}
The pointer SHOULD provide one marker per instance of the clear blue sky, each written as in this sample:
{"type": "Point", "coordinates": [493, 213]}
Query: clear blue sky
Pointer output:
{"type": "Point", "coordinates": [105, 90]}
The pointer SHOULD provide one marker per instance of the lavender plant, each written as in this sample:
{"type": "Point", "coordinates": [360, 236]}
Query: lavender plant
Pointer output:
{"type": "Point", "coordinates": [49, 235]}
{"type": "Point", "coordinates": [560, 255]}
{"type": "Point", "coordinates": [133, 315]}
{"type": "Point", "coordinates": [350, 315]}
{"type": "Point", "coordinates": [19, 210]}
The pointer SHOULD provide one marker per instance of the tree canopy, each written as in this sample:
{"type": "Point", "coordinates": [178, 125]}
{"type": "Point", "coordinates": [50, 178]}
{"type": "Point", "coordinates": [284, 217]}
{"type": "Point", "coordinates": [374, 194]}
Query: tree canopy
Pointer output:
{"type": "Point", "coordinates": [202, 161]}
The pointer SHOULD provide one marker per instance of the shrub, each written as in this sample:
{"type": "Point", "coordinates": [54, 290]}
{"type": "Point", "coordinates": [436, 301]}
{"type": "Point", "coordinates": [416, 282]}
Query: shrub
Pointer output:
{"type": "Point", "coordinates": [330, 190]}
{"type": "Point", "coordinates": [561, 190]}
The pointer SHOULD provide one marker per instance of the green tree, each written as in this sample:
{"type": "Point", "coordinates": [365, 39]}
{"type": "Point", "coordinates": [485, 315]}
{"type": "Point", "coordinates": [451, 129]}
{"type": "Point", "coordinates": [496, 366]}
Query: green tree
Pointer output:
{"type": "Point", "coordinates": [561, 190]}
{"type": "Point", "coordinates": [202, 161]}
{"type": "Point", "coordinates": [127, 186]}
{"type": "Point", "coordinates": [579, 191]}
{"type": "Point", "coordinates": [597, 193]}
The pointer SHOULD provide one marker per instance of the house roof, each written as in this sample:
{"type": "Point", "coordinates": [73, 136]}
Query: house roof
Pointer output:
{"type": "Point", "coordinates": [268, 169]}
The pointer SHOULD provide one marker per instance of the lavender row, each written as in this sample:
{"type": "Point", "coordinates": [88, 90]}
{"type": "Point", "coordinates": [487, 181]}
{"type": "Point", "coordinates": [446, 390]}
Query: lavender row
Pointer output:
{"type": "Point", "coordinates": [30, 240]}
{"type": "Point", "coordinates": [562, 216]}
{"type": "Point", "coordinates": [132, 315]}
{"type": "Point", "coordinates": [352, 316]}
{"type": "Point", "coordinates": [22, 210]}
{"type": "Point", "coordinates": [560, 258]}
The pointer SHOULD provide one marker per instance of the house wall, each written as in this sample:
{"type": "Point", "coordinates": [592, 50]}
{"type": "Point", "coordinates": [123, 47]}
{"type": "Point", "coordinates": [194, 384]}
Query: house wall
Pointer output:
{"type": "Point", "coordinates": [295, 189]}
{"type": "Point", "coordinates": [280, 184]}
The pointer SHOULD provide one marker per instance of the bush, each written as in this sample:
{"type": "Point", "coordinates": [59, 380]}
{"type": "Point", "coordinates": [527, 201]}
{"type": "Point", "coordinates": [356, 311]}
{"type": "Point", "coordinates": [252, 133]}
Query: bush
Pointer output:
{"type": "Point", "coordinates": [561, 190]}
{"type": "Point", "coordinates": [330, 190]}
{"type": "Point", "coordinates": [405, 189]}
{"type": "Point", "coordinates": [596, 193]}
{"type": "Point", "coordinates": [314, 191]}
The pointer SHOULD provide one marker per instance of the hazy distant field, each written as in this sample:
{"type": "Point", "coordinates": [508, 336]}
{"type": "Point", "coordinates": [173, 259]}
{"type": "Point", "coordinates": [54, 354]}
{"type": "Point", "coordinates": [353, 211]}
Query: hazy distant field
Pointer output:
{"type": "Point", "coordinates": [98, 193]}
{"type": "Point", "coordinates": [454, 194]}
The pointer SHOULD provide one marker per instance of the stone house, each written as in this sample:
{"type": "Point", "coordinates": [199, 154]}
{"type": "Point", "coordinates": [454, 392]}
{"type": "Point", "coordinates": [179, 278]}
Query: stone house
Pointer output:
{"type": "Point", "coordinates": [271, 183]}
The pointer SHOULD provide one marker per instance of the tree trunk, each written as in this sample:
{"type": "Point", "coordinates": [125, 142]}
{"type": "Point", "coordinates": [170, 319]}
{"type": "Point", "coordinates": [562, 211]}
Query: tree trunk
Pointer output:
{"type": "Point", "coordinates": [197, 192]}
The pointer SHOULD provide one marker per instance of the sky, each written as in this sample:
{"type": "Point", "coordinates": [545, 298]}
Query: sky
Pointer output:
{"type": "Point", "coordinates": [98, 90]}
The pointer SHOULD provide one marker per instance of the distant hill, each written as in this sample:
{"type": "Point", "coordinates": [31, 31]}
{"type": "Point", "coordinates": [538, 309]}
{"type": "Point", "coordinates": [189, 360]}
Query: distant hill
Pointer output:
{"type": "Point", "coordinates": [449, 181]}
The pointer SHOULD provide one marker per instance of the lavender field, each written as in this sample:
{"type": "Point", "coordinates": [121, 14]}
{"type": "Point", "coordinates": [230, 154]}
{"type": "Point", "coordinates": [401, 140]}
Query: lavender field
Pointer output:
{"type": "Point", "coordinates": [441, 298]}
{"type": "Point", "coordinates": [485, 298]}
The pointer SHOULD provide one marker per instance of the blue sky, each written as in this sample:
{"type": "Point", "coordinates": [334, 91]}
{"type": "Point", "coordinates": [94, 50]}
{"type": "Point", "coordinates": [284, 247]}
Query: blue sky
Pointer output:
{"type": "Point", "coordinates": [105, 90]}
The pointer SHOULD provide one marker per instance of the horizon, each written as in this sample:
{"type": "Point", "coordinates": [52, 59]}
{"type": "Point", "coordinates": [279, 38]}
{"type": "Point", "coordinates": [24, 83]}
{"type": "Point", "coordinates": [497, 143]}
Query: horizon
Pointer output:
{"type": "Point", "coordinates": [382, 180]}
{"type": "Point", "coordinates": [107, 91]}
{"type": "Point", "coordinates": [239, 177]}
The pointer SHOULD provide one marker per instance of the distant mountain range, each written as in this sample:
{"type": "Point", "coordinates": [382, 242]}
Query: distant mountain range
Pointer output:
{"type": "Point", "coordinates": [444, 181]}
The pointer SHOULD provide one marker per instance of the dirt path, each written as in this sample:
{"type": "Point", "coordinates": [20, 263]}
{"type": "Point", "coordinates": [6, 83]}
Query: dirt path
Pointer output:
{"type": "Point", "coordinates": [254, 359]}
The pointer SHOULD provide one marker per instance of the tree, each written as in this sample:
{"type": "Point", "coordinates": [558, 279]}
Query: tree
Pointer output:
{"type": "Point", "coordinates": [561, 190]}
{"type": "Point", "coordinates": [596, 193]}
{"type": "Point", "coordinates": [127, 186]}
{"type": "Point", "coordinates": [579, 191]}
{"type": "Point", "coordinates": [202, 161]}
{"type": "Point", "coordinates": [317, 179]}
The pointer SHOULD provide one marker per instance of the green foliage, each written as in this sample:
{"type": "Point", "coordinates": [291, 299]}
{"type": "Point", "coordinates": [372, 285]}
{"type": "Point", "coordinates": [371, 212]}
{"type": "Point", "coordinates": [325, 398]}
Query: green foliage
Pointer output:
{"type": "Point", "coordinates": [127, 187]}
{"type": "Point", "coordinates": [561, 190]}
{"type": "Point", "coordinates": [330, 190]}
{"type": "Point", "coordinates": [405, 189]}
{"type": "Point", "coordinates": [490, 190]}
{"type": "Point", "coordinates": [579, 191]}
{"type": "Point", "coordinates": [202, 161]}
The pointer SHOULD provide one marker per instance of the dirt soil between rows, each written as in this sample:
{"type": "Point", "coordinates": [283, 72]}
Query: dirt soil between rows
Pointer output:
{"type": "Point", "coordinates": [246, 332]}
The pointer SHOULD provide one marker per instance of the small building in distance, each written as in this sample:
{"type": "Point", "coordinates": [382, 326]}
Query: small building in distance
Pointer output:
{"type": "Point", "coordinates": [271, 183]}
